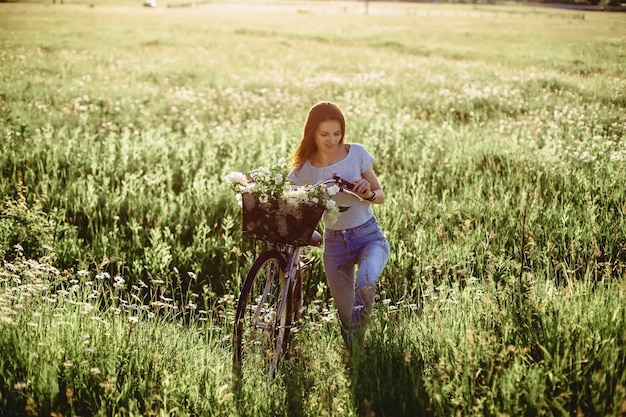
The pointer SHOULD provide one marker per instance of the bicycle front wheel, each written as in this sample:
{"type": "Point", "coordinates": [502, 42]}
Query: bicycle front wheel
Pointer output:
{"type": "Point", "coordinates": [264, 316]}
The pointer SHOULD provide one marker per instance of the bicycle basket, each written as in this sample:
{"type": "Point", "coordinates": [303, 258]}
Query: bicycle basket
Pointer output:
{"type": "Point", "coordinates": [279, 222]}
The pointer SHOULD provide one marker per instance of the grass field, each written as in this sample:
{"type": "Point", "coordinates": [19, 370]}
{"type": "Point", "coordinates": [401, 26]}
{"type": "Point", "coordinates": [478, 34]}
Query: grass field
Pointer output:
{"type": "Point", "coordinates": [499, 136]}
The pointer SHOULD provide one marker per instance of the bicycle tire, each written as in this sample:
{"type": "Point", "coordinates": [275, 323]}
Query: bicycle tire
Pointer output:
{"type": "Point", "coordinates": [261, 333]}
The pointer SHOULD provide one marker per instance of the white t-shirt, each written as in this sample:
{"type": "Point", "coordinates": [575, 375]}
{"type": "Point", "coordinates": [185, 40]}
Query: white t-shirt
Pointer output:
{"type": "Point", "coordinates": [349, 168]}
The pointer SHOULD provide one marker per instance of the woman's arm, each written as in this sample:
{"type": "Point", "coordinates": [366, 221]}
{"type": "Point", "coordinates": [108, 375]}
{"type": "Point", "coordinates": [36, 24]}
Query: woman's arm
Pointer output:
{"type": "Point", "coordinates": [369, 187]}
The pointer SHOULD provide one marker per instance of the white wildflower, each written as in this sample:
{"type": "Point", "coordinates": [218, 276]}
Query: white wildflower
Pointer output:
{"type": "Point", "coordinates": [332, 190]}
{"type": "Point", "coordinates": [103, 275]}
{"type": "Point", "coordinates": [237, 178]}
{"type": "Point", "coordinates": [119, 281]}
{"type": "Point", "coordinates": [20, 386]}
{"type": "Point", "coordinates": [332, 211]}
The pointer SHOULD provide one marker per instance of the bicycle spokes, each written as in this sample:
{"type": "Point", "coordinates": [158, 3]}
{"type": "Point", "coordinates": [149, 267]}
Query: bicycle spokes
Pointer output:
{"type": "Point", "coordinates": [264, 315]}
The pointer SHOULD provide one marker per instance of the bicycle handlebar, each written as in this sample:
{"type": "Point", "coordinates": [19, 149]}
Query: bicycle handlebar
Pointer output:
{"type": "Point", "coordinates": [344, 186]}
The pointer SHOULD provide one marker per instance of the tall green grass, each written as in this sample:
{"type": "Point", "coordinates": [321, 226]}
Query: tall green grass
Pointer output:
{"type": "Point", "coordinates": [499, 139]}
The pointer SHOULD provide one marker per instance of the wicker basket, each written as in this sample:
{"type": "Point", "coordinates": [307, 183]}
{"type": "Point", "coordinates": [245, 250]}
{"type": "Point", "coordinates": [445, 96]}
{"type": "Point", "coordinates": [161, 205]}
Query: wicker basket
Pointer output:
{"type": "Point", "coordinates": [279, 222]}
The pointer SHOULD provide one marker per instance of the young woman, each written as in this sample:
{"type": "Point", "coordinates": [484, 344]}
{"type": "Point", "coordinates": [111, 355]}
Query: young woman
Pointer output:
{"type": "Point", "coordinates": [354, 241]}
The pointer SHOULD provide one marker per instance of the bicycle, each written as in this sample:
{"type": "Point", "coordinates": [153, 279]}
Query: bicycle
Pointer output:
{"type": "Point", "coordinates": [271, 298]}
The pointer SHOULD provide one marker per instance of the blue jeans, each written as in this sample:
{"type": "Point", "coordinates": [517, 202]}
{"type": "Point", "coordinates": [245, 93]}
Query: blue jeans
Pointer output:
{"type": "Point", "coordinates": [365, 249]}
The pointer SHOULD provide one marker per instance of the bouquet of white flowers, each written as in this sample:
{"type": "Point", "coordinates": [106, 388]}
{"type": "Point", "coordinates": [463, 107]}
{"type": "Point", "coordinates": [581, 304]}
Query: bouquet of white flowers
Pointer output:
{"type": "Point", "coordinates": [277, 211]}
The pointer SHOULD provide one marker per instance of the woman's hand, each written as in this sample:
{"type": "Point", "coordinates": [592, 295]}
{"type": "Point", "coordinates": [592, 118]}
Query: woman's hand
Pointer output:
{"type": "Point", "coordinates": [362, 187]}
{"type": "Point", "coordinates": [369, 187]}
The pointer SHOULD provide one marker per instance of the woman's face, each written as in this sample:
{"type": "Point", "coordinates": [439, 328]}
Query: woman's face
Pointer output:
{"type": "Point", "coordinates": [328, 135]}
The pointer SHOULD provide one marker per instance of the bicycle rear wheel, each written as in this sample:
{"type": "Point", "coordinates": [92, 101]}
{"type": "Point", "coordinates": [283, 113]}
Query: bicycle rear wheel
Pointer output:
{"type": "Point", "coordinates": [264, 316]}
